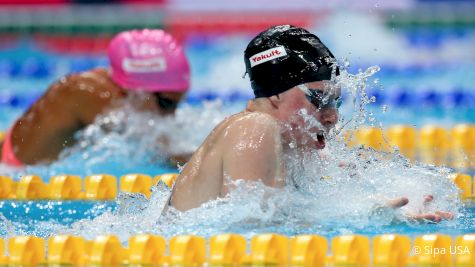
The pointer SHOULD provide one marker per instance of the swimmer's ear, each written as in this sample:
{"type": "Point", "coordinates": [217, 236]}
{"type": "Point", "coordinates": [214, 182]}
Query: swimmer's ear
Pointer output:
{"type": "Point", "coordinates": [275, 100]}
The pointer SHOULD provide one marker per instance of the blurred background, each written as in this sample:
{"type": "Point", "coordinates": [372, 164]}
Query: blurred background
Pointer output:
{"type": "Point", "coordinates": [425, 49]}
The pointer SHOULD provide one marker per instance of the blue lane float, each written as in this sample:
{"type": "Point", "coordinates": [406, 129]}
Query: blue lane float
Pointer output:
{"type": "Point", "coordinates": [9, 68]}
{"type": "Point", "coordinates": [17, 100]}
{"type": "Point", "coordinates": [39, 68]}
{"type": "Point", "coordinates": [410, 98]}
{"type": "Point", "coordinates": [32, 68]}
{"type": "Point", "coordinates": [399, 97]}
{"type": "Point", "coordinates": [459, 98]}
{"type": "Point", "coordinates": [428, 97]}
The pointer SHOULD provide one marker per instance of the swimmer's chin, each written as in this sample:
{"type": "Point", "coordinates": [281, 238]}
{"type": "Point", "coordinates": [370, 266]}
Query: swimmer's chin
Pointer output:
{"type": "Point", "coordinates": [313, 145]}
{"type": "Point", "coordinates": [317, 143]}
{"type": "Point", "coordinates": [321, 144]}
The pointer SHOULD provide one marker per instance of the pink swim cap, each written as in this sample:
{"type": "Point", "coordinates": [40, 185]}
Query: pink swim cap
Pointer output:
{"type": "Point", "coordinates": [149, 60]}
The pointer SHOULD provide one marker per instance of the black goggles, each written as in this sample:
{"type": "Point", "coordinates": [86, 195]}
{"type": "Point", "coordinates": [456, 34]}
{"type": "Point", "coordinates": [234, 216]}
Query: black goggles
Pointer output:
{"type": "Point", "coordinates": [321, 99]}
{"type": "Point", "coordinates": [164, 103]}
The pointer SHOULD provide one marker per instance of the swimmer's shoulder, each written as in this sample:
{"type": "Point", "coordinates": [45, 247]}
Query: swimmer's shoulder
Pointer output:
{"type": "Point", "coordinates": [233, 129]}
{"type": "Point", "coordinates": [92, 82]}
{"type": "Point", "coordinates": [247, 125]}
{"type": "Point", "coordinates": [98, 75]}
{"type": "Point", "coordinates": [256, 120]}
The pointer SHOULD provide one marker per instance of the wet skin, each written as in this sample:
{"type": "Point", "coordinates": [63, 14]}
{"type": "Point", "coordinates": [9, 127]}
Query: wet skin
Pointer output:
{"type": "Point", "coordinates": [250, 146]}
{"type": "Point", "coordinates": [68, 106]}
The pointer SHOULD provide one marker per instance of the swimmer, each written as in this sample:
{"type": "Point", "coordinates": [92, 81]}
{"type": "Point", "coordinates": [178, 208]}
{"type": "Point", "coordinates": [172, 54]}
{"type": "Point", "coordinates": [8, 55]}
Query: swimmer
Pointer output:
{"type": "Point", "coordinates": [290, 70]}
{"type": "Point", "coordinates": [151, 61]}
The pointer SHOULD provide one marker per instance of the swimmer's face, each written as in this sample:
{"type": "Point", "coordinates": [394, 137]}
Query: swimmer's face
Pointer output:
{"type": "Point", "coordinates": [167, 102]}
{"type": "Point", "coordinates": [326, 99]}
{"type": "Point", "coordinates": [320, 101]}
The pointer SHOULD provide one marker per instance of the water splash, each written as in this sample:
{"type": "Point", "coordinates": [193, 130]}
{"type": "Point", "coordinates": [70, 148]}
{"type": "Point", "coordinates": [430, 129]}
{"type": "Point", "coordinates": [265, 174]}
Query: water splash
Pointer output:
{"type": "Point", "coordinates": [128, 140]}
{"type": "Point", "coordinates": [334, 191]}
{"type": "Point", "coordinates": [134, 139]}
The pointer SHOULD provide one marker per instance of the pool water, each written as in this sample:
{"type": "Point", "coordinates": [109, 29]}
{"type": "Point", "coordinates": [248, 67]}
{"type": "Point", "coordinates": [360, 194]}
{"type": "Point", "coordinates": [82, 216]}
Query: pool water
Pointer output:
{"type": "Point", "coordinates": [345, 203]}
{"type": "Point", "coordinates": [45, 218]}
{"type": "Point", "coordinates": [406, 92]}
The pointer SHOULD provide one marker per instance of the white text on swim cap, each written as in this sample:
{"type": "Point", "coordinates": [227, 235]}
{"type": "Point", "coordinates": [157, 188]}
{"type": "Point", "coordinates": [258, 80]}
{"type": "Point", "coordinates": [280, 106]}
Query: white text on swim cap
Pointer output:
{"type": "Point", "coordinates": [134, 65]}
{"type": "Point", "coordinates": [267, 55]}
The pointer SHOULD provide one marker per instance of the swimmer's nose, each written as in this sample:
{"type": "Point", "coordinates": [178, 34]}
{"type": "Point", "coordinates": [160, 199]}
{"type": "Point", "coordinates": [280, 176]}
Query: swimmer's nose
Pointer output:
{"type": "Point", "coordinates": [329, 117]}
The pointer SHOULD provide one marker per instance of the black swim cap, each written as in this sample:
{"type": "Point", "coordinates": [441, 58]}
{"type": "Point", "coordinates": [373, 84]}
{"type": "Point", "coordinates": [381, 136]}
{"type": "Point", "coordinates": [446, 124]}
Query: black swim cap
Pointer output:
{"type": "Point", "coordinates": [285, 56]}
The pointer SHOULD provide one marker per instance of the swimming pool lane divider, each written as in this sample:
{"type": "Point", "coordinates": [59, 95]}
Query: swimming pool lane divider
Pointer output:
{"type": "Point", "coordinates": [232, 250]}
{"type": "Point", "coordinates": [70, 187]}
{"type": "Point", "coordinates": [104, 186]}
{"type": "Point", "coordinates": [430, 144]}
{"type": "Point", "coordinates": [399, 98]}
{"type": "Point", "coordinates": [434, 145]}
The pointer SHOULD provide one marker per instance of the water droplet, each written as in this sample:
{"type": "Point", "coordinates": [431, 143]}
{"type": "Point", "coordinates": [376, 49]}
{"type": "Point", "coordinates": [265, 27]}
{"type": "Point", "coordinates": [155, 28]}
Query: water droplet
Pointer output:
{"type": "Point", "coordinates": [292, 145]}
{"type": "Point", "coordinates": [346, 63]}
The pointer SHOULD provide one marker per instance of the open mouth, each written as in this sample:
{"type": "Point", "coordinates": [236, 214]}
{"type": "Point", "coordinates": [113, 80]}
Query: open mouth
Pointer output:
{"type": "Point", "coordinates": [321, 140]}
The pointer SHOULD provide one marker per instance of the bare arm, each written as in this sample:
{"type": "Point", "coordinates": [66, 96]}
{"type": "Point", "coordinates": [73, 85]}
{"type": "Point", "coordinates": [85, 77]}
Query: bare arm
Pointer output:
{"type": "Point", "coordinates": [255, 151]}
{"type": "Point", "coordinates": [49, 125]}
{"type": "Point", "coordinates": [242, 147]}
